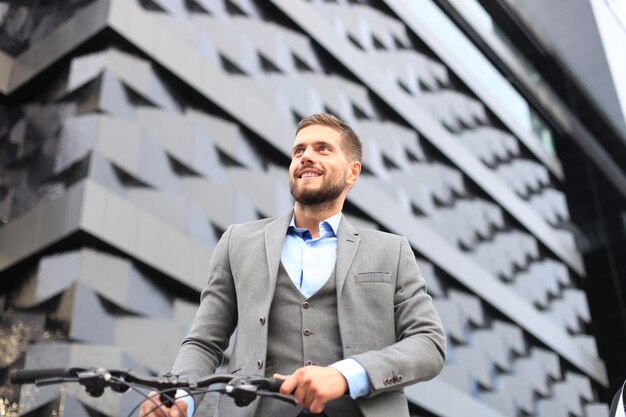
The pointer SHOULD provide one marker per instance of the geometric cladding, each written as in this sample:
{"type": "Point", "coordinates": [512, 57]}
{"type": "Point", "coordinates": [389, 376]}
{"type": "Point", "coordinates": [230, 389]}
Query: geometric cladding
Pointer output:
{"type": "Point", "coordinates": [133, 133]}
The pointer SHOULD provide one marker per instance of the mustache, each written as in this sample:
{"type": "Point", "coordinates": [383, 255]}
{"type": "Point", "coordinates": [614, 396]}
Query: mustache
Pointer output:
{"type": "Point", "coordinates": [298, 171]}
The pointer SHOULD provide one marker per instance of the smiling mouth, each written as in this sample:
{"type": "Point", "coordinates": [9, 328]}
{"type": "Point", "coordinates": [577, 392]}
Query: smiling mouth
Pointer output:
{"type": "Point", "coordinates": [309, 175]}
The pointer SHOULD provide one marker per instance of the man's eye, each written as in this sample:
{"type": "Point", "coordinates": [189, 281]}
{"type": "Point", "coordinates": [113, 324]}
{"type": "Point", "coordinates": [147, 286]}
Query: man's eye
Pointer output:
{"type": "Point", "coordinates": [297, 152]}
{"type": "Point", "coordinates": [324, 148]}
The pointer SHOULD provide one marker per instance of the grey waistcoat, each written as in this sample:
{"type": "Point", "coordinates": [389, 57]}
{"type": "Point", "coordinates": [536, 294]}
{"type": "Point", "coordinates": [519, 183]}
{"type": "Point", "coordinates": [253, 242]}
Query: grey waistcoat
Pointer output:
{"type": "Point", "coordinates": [303, 331]}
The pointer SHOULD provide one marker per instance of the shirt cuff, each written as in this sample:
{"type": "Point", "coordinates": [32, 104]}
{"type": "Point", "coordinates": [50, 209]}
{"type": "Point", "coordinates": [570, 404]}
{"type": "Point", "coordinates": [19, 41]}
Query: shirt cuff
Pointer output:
{"type": "Point", "coordinates": [355, 374]}
{"type": "Point", "coordinates": [188, 399]}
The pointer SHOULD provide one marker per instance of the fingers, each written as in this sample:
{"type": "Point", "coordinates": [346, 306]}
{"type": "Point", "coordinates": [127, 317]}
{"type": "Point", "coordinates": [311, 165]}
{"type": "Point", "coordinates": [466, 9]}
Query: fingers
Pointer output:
{"type": "Point", "coordinates": [317, 406]}
{"type": "Point", "coordinates": [314, 386]}
{"type": "Point", "coordinates": [289, 385]}
{"type": "Point", "coordinates": [151, 407]}
{"type": "Point", "coordinates": [154, 408]}
{"type": "Point", "coordinates": [300, 388]}
{"type": "Point", "coordinates": [179, 409]}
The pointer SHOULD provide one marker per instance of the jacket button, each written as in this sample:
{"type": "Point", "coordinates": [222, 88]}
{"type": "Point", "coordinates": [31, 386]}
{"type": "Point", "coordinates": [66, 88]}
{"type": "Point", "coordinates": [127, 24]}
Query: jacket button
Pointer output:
{"type": "Point", "coordinates": [262, 320]}
{"type": "Point", "coordinates": [306, 332]}
{"type": "Point", "coordinates": [306, 305]}
{"type": "Point", "coordinates": [259, 364]}
{"type": "Point", "coordinates": [308, 363]}
{"type": "Point", "coordinates": [386, 381]}
{"type": "Point", "coordinates": [399, 378]}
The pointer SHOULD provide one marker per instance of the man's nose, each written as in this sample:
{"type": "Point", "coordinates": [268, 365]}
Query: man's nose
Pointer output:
{"type": "Point", "coordinates": [307, 157]}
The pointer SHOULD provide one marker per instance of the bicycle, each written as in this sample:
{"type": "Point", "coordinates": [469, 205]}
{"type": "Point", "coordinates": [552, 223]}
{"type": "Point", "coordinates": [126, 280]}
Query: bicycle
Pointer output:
{"type": "Point", "coordinates": [243, 389]}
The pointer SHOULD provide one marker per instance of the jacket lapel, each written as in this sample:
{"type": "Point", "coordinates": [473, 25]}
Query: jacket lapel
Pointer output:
{"type": "Point", "coordinates": [347, 245]}
{"type": "Point", "coordinates": [275, 233]}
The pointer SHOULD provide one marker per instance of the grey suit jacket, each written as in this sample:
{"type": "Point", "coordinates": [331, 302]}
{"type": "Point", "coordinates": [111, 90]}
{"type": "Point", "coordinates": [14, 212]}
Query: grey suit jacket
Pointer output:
{"type": "Point", "coordinates": [386, 319]}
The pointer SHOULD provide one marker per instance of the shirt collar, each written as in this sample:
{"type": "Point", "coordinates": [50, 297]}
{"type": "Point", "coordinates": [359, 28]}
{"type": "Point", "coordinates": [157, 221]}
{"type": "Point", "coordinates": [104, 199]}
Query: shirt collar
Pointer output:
{"type": "Point", "coordinates": [330, 224]}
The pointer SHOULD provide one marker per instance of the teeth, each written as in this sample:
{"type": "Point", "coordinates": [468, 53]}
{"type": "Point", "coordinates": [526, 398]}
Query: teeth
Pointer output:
{"type": "Point", "coordinates": [309, 174]}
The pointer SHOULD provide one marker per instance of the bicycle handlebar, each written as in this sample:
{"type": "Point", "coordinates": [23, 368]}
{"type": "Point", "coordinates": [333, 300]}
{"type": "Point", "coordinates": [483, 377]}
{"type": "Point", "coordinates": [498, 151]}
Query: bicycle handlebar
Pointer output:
{"type": "Point", "coordinates": [244, 389]}
{"type": "Point", "coordinates": [30, 376]}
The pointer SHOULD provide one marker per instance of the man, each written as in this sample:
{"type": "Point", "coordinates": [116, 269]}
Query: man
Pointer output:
{"type": "Point", "coordinates": [340, 313]}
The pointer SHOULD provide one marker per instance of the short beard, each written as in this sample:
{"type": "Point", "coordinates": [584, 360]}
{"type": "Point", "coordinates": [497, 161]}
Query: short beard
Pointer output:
{"type": "Point", "coordinates": [328, 193]}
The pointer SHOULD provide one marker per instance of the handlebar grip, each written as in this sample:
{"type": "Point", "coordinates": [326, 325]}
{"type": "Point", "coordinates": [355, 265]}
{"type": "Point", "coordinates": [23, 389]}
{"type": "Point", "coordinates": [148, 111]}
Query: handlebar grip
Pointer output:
{"type": "Point", "coordinates": [274, 384]}
{"type": "Point", "coordinates": [29, 376]}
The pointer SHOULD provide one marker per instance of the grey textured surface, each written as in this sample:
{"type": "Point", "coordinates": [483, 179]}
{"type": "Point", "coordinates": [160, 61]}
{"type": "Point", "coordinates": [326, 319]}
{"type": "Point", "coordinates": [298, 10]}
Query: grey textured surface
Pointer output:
{"type": "Point", "coordinates": [123, 173]}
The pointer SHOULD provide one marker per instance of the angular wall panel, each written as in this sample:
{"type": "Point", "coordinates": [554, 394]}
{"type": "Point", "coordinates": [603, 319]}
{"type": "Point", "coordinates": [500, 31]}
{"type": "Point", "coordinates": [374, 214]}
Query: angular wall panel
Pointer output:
{"type": "Point", "coordinates": [118, 175]}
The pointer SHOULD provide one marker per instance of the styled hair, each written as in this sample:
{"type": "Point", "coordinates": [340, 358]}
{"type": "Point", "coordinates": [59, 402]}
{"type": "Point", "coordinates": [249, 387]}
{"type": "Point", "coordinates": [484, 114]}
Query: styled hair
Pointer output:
{"type": "Point", "coordinates": [350, 142]}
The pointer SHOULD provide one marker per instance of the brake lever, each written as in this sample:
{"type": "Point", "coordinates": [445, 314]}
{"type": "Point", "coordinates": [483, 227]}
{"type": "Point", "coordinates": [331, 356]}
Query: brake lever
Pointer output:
{"type": "Point", "coordinates": [54, 381]}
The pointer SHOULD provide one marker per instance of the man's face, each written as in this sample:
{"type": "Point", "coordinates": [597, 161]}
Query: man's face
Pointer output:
{"type": "Point", "coordinates": [320, 171]}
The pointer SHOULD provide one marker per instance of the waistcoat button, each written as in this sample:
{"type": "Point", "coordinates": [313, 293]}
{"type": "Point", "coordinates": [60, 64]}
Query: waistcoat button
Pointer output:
{"type": "Point", "coordinates": [306, 305]}
{"type": "Point", "coordinates": [262, 320]}
{"type": "Point", "coordinates": [306, 332]}
{"type": "Point", "coordinates": [308, 363]}
{"type": "Point", "coordinates": [259, 364]}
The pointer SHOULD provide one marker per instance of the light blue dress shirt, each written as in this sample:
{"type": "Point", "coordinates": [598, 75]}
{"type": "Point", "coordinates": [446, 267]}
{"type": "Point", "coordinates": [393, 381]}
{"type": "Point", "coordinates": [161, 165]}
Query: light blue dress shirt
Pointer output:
{"type": "Point", "coordinates": [191, 404]}
{"type": "Point", "coordinates": [309, 263]}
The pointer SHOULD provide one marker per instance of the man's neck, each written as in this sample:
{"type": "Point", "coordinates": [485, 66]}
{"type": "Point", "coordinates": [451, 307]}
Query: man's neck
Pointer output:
{"type": "Point", "coordinates": [309, 217]}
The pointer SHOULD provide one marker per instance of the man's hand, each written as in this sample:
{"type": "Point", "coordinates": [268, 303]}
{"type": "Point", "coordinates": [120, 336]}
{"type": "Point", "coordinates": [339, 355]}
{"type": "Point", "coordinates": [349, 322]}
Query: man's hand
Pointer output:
{"type": "Point", "coordinates": [149, 407]}
{"type": "Point", "coordinates": [314, 386]}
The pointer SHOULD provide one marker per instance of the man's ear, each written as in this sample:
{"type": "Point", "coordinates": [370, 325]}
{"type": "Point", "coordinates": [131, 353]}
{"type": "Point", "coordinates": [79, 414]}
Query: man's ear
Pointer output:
{"type": "Point", "coordinates": [354, 172]}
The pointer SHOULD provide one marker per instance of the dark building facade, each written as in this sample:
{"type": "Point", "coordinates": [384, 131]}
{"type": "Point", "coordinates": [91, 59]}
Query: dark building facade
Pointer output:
{"type": "Point", "coordinates": [133, 132]}
{"type": "Point", "coordinates": [569, 55]}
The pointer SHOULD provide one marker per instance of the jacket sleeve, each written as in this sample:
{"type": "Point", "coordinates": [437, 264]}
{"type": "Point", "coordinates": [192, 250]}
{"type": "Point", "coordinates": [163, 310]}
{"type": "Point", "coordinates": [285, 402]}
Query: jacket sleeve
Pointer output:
{"type": "Point", "coordinates": [419, 351]}
{"type": "Point", "coordinates": [202, 350]}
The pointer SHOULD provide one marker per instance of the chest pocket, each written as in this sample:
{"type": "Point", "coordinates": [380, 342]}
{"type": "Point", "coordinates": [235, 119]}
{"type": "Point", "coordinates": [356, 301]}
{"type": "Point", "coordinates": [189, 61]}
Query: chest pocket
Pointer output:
{"type": "Point", "coordinates": [372, 277]}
